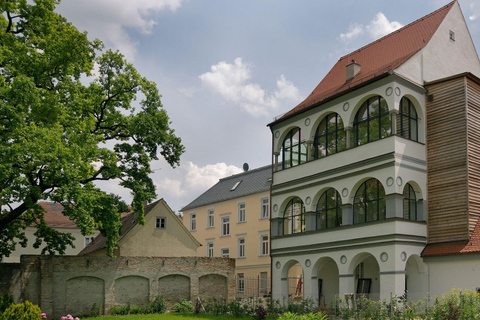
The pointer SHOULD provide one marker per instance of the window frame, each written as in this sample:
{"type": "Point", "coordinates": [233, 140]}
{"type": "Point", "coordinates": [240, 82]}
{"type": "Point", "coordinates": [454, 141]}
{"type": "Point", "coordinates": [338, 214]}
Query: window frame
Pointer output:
{"type": "Point", "coordinates": [339, 129]}
{"type": "Point", "coordinates": [292, 216]}
{"type": "Point", "coordinates": [225, 232]}
{"type": "Point", "coordinates": [293, 148]}
{"type": "Point", "coordinates": [210, 250]}
{"type": "Point", "coordinates": [222, 255]}
{"type": "Point", "coordinates": [193, 221]}
{"type": "Point", "coordinates": [409, 118]}
{"type": "Point", "coordinates": [264, 208]}
{"type": "Point", "coordinates": [240, 282]}
{"type": "Point", "coordinates": [408, 200]}
{"type": "Point", "coordinates": [326, 209]}
{"type": "Point", "coordinates": [241, 247]}
{"type": "Point", "coordinates": [365, 203]}
{"type": "Point", "coordinates": [241, 212]}
{"type": "Point", "coordinates": [357, 123]}
{"type": "Point", "coordinates": [88, 240]}
{"type": "Point", "coordinates": [264, 244]}
{"type": "Point", "coordinates": [210, 218]}
{"type": "Point", "coordinates": [158, 223]}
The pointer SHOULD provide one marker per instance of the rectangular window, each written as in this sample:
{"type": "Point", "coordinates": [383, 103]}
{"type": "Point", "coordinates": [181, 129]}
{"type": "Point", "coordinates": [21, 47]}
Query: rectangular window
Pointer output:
{"type": "Point", "coordinates": [193, 222]}
{"type": "Point", "coordinates": [264, 245]}
{"type": "Point", "coordinates": [210, 218]}
{"type": "Point", "coordinates": [240, 282]}
{"type": "Point", "coordinates": [161, 223]}
{"type": "Point", "coordinates": [241, 247]}
{"type": "Point", "coordinates": [225, 226]}
{"type": "Point", "coordinates": [265, 210]}
{"type": "Point", "coordinates": [242, 217]}
{"type": "Point", "coordinates": [210, 252]}
{"type": "Point", "coordinates": [225, 252]}
{"type": "Point", "coordinates": [88, 240]}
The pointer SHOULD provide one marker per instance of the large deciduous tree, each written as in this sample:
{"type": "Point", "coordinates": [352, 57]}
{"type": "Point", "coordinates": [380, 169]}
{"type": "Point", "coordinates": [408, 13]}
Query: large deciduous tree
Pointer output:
{"type": "Point", "coordinates": [60, 133]}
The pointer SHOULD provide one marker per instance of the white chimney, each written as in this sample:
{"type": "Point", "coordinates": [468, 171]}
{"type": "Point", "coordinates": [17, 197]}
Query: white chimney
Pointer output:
{"type": "Point", "coordinates": [353, 69]}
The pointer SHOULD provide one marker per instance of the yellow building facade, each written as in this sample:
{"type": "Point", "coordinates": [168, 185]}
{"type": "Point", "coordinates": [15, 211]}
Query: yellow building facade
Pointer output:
{"type": "Point", "coordinates": [232, 219]}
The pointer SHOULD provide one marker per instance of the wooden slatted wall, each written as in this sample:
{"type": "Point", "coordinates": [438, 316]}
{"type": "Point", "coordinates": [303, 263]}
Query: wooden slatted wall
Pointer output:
{"type": "Point", "coordinates": [446, 129]}
{"type": "Point", "coordinates": [473, 113]}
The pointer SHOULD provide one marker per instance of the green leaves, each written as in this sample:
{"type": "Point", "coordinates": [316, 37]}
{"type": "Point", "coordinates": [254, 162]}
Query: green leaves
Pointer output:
{"type": "Point", "coordinates": [55, 129]}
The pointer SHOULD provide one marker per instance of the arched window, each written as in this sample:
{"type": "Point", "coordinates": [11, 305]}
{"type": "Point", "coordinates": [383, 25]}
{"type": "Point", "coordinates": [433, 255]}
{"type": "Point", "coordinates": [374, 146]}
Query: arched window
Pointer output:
{"type": "Point", "coordinates": [409, 203]}
{"type": "Point", "coordinates": [294, 217]}
{"type": "Point", "coordinates": [294, 151]}
{"type": "Point", "coordinates": [372, 121]}
{"type": "Point", "coordinates": [407, 121]}
{"type": "Point", "coordinates": [329, 210]}
{"type": "Point", "coordinates": [369, 204]}
{"type": "Point", "coordinates": [330, 136]}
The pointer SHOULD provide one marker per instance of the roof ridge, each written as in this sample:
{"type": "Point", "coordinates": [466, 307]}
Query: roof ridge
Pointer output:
{"type": "Point", "coordinates": [244, 172]}
{"type": "Point", "coordinates": [399, 30]}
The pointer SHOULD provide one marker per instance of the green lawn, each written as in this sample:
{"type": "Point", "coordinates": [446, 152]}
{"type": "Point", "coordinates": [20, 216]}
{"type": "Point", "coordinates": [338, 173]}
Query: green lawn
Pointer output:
{"type": "Point", "coordinates": [172, 316]}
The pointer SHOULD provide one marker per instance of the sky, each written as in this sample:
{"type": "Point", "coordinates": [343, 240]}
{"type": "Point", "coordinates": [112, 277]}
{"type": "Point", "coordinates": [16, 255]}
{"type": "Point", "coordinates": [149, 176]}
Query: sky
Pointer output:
{"type": "Point", "coordinates": [226, 69]}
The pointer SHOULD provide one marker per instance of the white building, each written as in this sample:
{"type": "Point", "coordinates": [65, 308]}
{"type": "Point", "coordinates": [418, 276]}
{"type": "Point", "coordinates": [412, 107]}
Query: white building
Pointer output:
{"type": "Point", "coordinates": [375, 186]}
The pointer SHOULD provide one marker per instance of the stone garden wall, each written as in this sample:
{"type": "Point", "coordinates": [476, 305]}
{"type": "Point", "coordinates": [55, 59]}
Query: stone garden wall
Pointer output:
{"type": "Point", "coordinates": [63, 285]}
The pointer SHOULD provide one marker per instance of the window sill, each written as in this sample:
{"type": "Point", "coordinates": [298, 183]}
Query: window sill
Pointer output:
{"type": "Point", "coordinates": [240, 222]}
{"type": "Point", "coordinates": [266, 218]}
{"type": "Point", "coordinates": [241, 257]}
{"type": "Point", "coordinates": [211, 227]}
{"type": "Point", "coordinates": [225, 236]}
{"type": "Point", "coordinates": [193, 230]}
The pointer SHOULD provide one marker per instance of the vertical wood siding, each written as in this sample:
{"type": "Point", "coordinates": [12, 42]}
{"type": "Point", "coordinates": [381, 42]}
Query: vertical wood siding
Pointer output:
{"type": "Point", "coordinates": [473, 118]}
{"type": "Point", "coordinates": [447, 171]}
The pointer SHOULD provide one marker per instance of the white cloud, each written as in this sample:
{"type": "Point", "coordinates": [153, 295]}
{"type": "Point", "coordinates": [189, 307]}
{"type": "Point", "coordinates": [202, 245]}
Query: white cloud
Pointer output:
{"type": "Point", "coordinates": [195, 179]}
{"type": "Point", "coordinates": [232, 81]}
{"type": "Point", "coordinates": [108, 20]}
{"type": "Point", "coordinates": [380, 26]}
{"type": "Point", "coordinates": [475, 11]}
{"type": "Point", "coordinates": [354, 30]}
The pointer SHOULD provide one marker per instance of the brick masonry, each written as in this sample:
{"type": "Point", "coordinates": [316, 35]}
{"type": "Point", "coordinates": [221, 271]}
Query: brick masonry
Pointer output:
{"type": "Point", "coordinates": [63, 285]}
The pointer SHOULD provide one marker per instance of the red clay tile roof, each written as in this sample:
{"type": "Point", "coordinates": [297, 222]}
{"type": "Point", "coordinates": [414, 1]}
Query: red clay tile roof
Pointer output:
{"type": "Point", "coordinates": [377, 58]}
{"type": "Point", "coordinates": [472, 246]}
{"type": "Point", "coordinates": [128, 220]}
{"type": "Point", "coordinates": [54, 216]}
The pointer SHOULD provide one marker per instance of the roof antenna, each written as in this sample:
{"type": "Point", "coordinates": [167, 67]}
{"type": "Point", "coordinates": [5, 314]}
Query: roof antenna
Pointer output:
{"type": "Point", "coordinates": [245, 167]}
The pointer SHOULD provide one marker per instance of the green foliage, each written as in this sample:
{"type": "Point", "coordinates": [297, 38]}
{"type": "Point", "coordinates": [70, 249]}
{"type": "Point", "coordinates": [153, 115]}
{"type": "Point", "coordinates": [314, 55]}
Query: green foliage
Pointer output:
{"type": "Point", "coordinates": [260, 313]}
{"type": "Point", "coordinates": [96, 310]}
{"type": "Point", "coordinates": [158, 305]}
{"type": "Point", "coordinates": [184, 306]}
{"type": "Point", "coordinates": [309, 316]}
{"type": "Point", "coordinates": [22, 311]}
{"type": "Point", "coordinates": [5, 301]}
{"type": "Point", "coordinates": [59, 135]}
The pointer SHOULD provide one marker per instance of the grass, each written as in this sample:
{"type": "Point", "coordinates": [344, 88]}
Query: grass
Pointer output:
{"type": "Point", "coordinates": [172, 316]}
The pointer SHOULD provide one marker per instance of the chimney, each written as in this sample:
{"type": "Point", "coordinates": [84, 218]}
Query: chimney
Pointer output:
{"type": "Point", "coordinates": [353, 69]}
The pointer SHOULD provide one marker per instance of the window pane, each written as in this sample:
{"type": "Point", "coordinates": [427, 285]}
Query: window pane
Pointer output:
{"type": "Point", "coordinates": [331, 143]}
{"type": "Point", "coordinates": [331, 218]}
{"type": "Point", "coordinates": [373, 129]}
{"type": "Point", "coordinates": [382, 210]}
{"type": "Point", "coordinates": [358, 213]}
{"type": "Point", "coordinates": [362, 133]}
{"type": "Point", "coordinates": [341, 140]}
{"type": "Point", "coordinates": [321, 221]}
{"type": "Point", "coordinates": [414, 128]}
{"type": "Point", "coordinates": [362, 112]}
{"type": "Point", "coordinates": [386, 126]}
{"type": "Point", "coordinates": [321, 150]}
{"type": "Point", "coordinates": [322, 127]}
{"type": "Point", "coordinates": [372, 213]}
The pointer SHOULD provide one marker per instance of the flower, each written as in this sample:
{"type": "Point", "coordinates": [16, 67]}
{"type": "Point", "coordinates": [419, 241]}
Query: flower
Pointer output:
{"type": "Point", "coordinates": [44, 315]}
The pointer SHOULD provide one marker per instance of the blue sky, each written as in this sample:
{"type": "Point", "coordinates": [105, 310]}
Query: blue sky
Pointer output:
{"type": "Point", "coordinates": [225, 69]}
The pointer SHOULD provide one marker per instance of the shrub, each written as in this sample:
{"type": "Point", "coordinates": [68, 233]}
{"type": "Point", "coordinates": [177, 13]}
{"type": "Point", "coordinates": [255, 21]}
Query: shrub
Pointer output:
{"type": "Point", "coordinates": [184, 306]}
{"type": "Point", "coordinates": [22, 311]}
{"type": "Point", "coordinates": [310, 316]}
{"type": "Point", "coordinates": [260, 313]}
{"type": "Point", "coordinates": [158, 305]}
{"type": "Point", "coordinates": [5, 301]}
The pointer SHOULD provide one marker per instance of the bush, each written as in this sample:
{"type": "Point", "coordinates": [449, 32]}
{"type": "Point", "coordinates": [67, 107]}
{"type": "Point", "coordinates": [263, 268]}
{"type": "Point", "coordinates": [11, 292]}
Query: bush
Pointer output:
{"type": "Point", "coordinates": [22, 311]}
{"type": "Point", "coordinates": [310, 316]}
{"type": "Point", "coordinates": [260, 313]}
{"type": "Point", "coordinates": [158, 305]}
{"type": "Point", "coordinates": [5, 301]}
{"type": "Point", "coordinates": [184, 306]}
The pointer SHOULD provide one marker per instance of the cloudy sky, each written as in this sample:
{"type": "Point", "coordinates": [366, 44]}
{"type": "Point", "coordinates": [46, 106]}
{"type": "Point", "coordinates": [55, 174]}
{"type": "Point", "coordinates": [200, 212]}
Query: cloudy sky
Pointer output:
{"type": "Point", "coordinates": [225, 69]}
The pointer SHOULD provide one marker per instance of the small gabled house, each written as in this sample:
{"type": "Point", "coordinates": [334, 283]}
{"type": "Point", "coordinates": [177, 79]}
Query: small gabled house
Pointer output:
{"type": "Point", "coordinates": [376, 186]}
{"type": "Point", "coordinates": [163, 235]}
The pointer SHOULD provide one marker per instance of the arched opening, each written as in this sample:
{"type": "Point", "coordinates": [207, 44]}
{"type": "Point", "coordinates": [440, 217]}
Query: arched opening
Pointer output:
{"type": "Point", "coordinates": [369, 203]}
{"type": "Point", "coordinates": [366, 272]}
{"type": "Point", "coordinates": [294, 150]}
{"type": "Point", "coordinates": [294, 217]}
{"type": "Point", "coordinates": [326, 288]}
{"type": "Point", "coordinates": [407, 120]}
{"type": "Point", "coordinates": [329, 210]}
{"type": "Point", "coordinates": [409, 203]}
{"type": "Point", "coordinates": [372, 121]}
{"type": "Point", "coordinates": [329, 136]}
{"type": "Point", "coordinates": [415, 278]}
{"type": "Point", "coordinates": [295, 283]}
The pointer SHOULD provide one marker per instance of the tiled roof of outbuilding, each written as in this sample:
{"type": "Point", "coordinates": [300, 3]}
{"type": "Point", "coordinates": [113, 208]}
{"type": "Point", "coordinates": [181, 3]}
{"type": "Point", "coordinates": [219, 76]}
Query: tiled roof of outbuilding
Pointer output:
{"type": "Point", "coordinates": [376, 59]}
{"type": "Point", "coordinates": [251, 182]}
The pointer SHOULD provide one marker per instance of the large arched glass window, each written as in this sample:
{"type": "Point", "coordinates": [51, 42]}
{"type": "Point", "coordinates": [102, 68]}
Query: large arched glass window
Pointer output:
{"type": "Point", "coordinates": [330, 136]}
{"type": "Point", "coordinates": [372, 121]}
{"type": "Point", "coordinates": [407, 121]}
{"type": "Point", "coordinates": [409, 203]}
{"type": "Point", "coordinates": [294, 217]}
{"type": "Point", "coordinates": [369, 204]}
{"type": "Point", "coordinates": [329, 210]}
{"type": "Point", "coordinates": [294, 151]}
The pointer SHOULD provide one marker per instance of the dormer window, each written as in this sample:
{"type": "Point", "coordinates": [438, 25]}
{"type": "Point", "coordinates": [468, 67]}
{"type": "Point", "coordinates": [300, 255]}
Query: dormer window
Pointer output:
{"type": "Point", "coordinates": [235, 185]}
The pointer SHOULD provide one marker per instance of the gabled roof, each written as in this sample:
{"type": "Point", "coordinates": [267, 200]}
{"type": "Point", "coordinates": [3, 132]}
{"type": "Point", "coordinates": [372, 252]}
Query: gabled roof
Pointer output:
{"type": "Point", "coordinates": [128, 221]}
{"type": "Point", "coordinates": [250, 182]}
{"type": "Point", "coordinates": [376, 59]}
{"type": "Point", "coordinates": [54, 217]}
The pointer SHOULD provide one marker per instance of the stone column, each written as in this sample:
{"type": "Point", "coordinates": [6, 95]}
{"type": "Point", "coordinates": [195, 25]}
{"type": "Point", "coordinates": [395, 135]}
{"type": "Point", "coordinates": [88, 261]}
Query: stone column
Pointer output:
{"type": "Point", "coordinates": [348, 137]}
{"type": "Point", "coordinates": [392, 283]}
{"type": "Point", "coordinates": [310, 221]}
{"type": "Point", "coordinates": [347, 214]}
{"type": "Point", "coordinates": [394, 205]}
{"type": "Point", "coordinates": [346, 284]}
{"type": "Point", "coordinates": [393, 117]}
{"type": "Point", "coordinates": [275, 164]}
{"type": "Point", "coordinates": [194, 283]}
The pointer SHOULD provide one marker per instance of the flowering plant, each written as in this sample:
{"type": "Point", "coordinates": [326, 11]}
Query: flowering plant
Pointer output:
{"type": "Point", "coordinates": [69, 317]}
